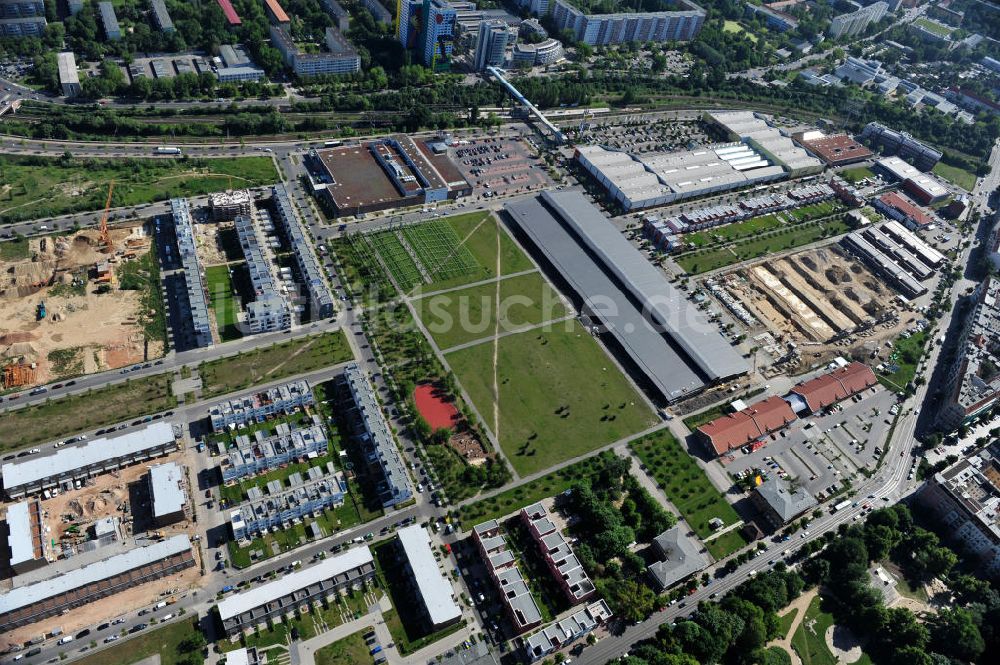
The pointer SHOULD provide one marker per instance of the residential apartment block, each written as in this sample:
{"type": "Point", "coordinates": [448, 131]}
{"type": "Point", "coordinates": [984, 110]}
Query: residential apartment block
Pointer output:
{"type": "Point", "coordinates": [558, 555]}
{"type": "Point", "coordinates": [197, 302]}
{"type": "Point", "coordinates": [320, 581]}
{"type": "Point", "coordinates": [109, 21]}
{"type": "Point", "coordinates": [26, 538]}
{"type": "Point", "coordinates": [258, 407]}
{"type": "Point", "coordinates": [518, 603]}
{"type": "Point", "coordinates": [22, 18]}
{"type": "Point", "coordinates": [902, 144]}
{"type": "Point", "coordinates": [680, 24]}
{"type": "Point", "coordinates": [856, 22]}
{"type": "Point", "coordinates": [32, 475]}
{"type": "Point", "coordinates": [269, 310]}
{"type": "Point", "coordinates": [972, 384]}
{"type": "Point", "coordinates": [33, 602]}
{"type": "Point", "coordinates": [429, 584]}
{"type": "Point", "coordinates": [966, 499]}
{"type": "Point", "coordinates": [379, 444]}
{"type": "Point", "coordinates": [321, 489]}
{"type": "Point", "coordinates": [339, 58]}
{"type": "Point", "coordinates": [310, 272]}
{"type": "Point", "coordinates": [261, 453]}
{"type": "Point", "coordinates": [564, 632]}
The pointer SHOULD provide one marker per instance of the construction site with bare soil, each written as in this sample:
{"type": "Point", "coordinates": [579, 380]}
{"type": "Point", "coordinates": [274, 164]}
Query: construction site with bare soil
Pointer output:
{"type": "Point", "coordinates": [73, 304]}
{"type": "Point", "coordinates": [815, 305]}
{"type": "Point", "coordinates": [106, 515]}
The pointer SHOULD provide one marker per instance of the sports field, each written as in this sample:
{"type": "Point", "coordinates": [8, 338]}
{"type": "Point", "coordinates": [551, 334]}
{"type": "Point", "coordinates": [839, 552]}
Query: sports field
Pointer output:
{"type": "Point", "coordinates": [435, 255]}
{"type": "Point", "coordinates": [560, 395]}
{"type": "Point", "coordinates": [464, 315]}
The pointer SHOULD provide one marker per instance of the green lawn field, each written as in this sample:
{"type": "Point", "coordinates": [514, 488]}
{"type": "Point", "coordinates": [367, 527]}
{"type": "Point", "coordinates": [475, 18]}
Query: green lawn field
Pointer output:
{"type": "Point", "coordinates": [56, 418]}
{"type": "Point", "coordinates": [789, 238]}
{"type": "Point", "coordinates": [223, 302]}
{"type": "Point", "coordinates": [857, 174]}
{"type": "Point", "coordinates": [167, 641]}
{"type": "Point", "coordinates": [347, 651]}
{"type": "Point", "coordinates": [35, 187]}
{"type": "Point", "coordinates": [732, 231]}
{"type": "Point", "coordinates": [688, 488]}
{"type": "Point", "coordinates": [270, 363]}
{"type": "Point", "coordinates": [465, 315]}
{"type": "Point", "coordinates": [809, 640]}
{"type": "Point", "coordinates": [956, 176]}
{"type": "Point", "coordinates": [560, 395]}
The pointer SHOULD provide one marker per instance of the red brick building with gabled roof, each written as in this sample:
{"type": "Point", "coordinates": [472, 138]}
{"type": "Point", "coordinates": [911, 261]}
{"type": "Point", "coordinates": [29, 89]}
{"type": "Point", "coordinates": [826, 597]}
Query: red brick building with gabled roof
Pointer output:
{"type": "Point", "coordinates": [826, 390]}
{"type": "Point", "coordinates": [736, 429]}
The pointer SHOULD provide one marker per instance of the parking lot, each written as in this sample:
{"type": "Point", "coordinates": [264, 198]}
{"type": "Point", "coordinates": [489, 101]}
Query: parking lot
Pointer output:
{"type": "Point", "coordinates": [499, 166]}
{"type": "Point", "coordinates": [643, 133]}
{"type": "Point", "coordinates": [821, 451]}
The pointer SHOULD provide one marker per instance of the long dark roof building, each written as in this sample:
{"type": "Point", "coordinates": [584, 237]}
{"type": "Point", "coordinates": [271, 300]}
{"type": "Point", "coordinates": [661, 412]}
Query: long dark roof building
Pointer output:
{"type": "Point", "coordinates": [664, 334]}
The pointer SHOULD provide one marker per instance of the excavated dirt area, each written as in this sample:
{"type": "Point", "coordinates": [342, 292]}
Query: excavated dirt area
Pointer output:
{"type": "Point", "coordinates": [88, 332]}
{"type": "Point", "coordinates": [107, 496]}
{"type": "Point", "coordinates": [822, 301]}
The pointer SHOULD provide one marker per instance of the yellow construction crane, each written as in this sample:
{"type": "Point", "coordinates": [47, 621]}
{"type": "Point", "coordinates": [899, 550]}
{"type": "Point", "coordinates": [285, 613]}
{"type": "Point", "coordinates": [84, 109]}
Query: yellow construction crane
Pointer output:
{"type": "Point", "coordinates": [106, 242]}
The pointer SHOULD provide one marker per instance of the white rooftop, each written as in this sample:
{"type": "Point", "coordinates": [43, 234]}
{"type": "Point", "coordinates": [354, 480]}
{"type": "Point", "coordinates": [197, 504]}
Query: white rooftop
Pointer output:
{"type": "Point", "coordinates": [435, 589]}
{"type": "Point", "coordinates": [19, 529]}
{"type": "Point", "coordinates": [76, 578]}
{"type": "Point", "coordinates": [168, 492]}
{"type": "Point", "coordinates": [266, 593]}
{"type": "Point", "coordinates": [27, 470]}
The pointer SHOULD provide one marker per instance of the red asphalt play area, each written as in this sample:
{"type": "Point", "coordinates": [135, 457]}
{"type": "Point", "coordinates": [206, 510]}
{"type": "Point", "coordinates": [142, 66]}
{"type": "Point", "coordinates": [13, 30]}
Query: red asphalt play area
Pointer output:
{"type": "Point", "coordinates": [433, 405]}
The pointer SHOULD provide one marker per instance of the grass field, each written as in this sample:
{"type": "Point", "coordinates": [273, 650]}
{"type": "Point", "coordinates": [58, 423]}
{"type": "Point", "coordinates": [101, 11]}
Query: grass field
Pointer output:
{"type": "Point", "coordinates": [857, 174]}
{"type": "Point", "coordinates": [15, 250]}
{"type": "Point", "coordinates": [688, 488]}
{"type": "Point", "coordinates": [347, 651]}
{"type": "Point", "coordinates": [223, 302]}
{"type": "Point", "coordinates": [785, 623]}
{"type": "Point", "coordinates": [931, 26]}
{"type": "Point", "coordinates": [164, 641]}
{"type": "Point", "coordinates": [524, 494]}
{"type": "Point", "coordinates": [68, 415]}
{"type": "Point", "coordinates": [733, 231]}
{"type": "Point", "coordinates": [809, 640]}
{"type": "Point", "coordinates": [36, 187]}
{"type": "Point", "coordinates": [956, 176]}
{"type": "Point", "coordinates": [560, 395]}
{"type": "Point", "coordinates": [789, 238]}
{"type": "Point", "coordinates": [398, 261]}
{"type": "Point", "coordinates": [468, 314]}
{"type": "Point", "coordinates": [274, 362]}
{"type": "Point", "coordinates": [906, 352]}
{"type": "Point", "coordinates": [441, 251]}
{"type": "Point", "coordinates": [736, 28]}
{"type": "Point", "coordinates": [699, 419]}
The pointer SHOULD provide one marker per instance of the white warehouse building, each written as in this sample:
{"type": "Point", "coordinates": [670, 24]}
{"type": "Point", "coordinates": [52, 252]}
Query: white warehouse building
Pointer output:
{"type": "Point", "coordinates": [645, 181]}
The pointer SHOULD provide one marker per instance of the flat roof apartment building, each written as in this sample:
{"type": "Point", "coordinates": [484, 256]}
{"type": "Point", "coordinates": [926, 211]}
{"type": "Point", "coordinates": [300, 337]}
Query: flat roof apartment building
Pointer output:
{"type": "Point", "coordinates": [380, 445]}
{"type": "Point", "coordinates": [49, 597]}
{"type": "Point", "coordinates": [966, 498]}
{"type": "Point", "coordinates": [566, 569]}
{"type": "Point", "coordinates": [197, 302]}
{"type": "Point", "coordinates": [69, 78]}
{"type": "Point", "coordinates": [310, 272]}
{"type": "Point", "coordinates": [339, 58]}
{"type": "Point", "coordinates": [31, 475]}
{"type": "Point", "coordinates": [22, 18]}
{"type": "Point", "coordinates": [322, 488]}
{"type": "Point", "coordinates": [269, 310]}
{"type": "Point", "coordinates": [320, 581]}
{"type": "Point", "coordinates": [26, 541]}
{"type": "Point", "coordinates": [428, 582]}
{"type": "Point", "coordinates": [562, 633]}
{"type": "Point", "coordinates": [518, 603]}
{"type": "Point", "coordinates": [166, 485]}
{"type": "Point", "coordinates": [109, 21]}
{"type": "Point", "coordinates": [681, 20]}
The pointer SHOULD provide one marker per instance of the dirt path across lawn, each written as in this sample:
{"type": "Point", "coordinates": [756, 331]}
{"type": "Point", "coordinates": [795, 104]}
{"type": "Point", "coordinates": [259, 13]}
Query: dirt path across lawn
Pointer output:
{"type": "Point", "coordinates": [785, 642]}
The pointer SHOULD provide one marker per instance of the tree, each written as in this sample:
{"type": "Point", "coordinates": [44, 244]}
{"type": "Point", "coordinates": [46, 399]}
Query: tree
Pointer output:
{"type": "Point", "coordinates": [955, 634]}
